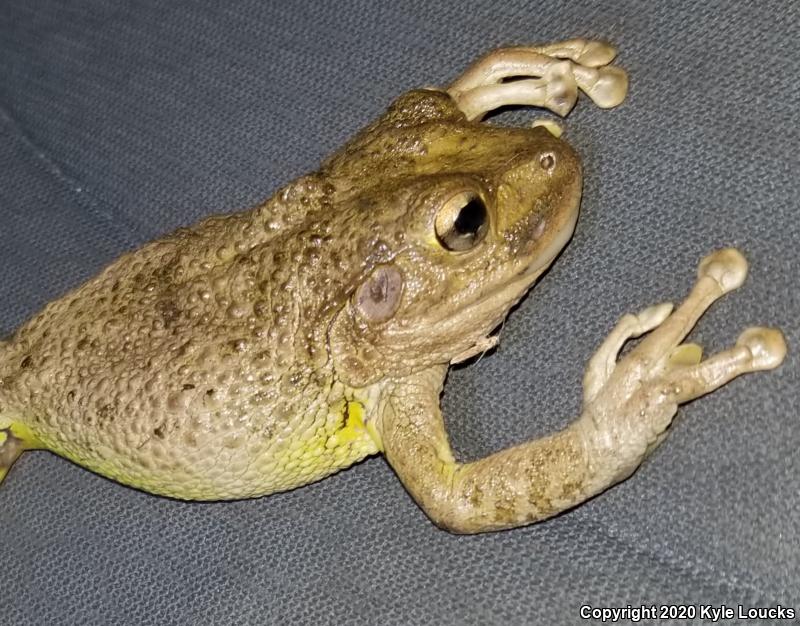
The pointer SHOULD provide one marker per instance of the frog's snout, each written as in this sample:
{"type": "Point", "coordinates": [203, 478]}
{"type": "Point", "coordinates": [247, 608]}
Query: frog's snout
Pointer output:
{"type": "Point", "coordinates": [541, 186]}
{"type": "Point", "coordinates": [557, 159]}
{"type": "Point", "coordinates": [538, 200]}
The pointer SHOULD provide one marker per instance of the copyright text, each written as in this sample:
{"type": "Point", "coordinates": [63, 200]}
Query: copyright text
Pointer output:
{"type": "Point", "coordinates": [708, 612]}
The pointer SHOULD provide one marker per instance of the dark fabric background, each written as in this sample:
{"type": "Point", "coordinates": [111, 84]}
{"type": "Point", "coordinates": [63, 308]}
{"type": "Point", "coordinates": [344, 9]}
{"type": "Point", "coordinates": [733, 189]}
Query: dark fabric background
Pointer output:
{"type": "Point", "coordinates": [120, 121]}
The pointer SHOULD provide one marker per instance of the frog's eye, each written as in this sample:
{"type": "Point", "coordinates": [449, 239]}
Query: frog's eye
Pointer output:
{"type": "Point", "coordinates": [462, 221]}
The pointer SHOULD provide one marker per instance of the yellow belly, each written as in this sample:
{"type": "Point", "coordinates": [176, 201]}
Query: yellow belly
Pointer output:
{"type": "Point", "coordinates": [214, 468]}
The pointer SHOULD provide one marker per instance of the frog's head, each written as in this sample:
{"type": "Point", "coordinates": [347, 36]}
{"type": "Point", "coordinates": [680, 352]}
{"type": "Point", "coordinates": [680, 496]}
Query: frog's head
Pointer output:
{"type": "Point", "coordinates": [459, 219]}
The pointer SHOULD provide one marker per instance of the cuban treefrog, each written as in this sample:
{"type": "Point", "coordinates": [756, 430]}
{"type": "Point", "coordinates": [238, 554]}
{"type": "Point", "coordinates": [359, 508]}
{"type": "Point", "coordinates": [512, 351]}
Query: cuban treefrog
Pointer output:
{"type": "Point", "coordinates": [263, 350]}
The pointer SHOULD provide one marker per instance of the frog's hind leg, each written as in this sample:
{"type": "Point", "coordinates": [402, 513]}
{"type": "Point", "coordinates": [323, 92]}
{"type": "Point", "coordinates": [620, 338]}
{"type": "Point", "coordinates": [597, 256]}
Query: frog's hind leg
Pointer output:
{"type": "Point", "coordinates": [15, 438]}
{"type": "Point", "coordinates": [10, 449]}
{"type": "Point", "coordinates": [545, 76]}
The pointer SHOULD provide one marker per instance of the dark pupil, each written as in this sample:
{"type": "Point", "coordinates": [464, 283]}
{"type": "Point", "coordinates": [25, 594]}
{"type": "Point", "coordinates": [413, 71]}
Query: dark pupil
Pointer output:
{"type": "Point", "coordinates": [470, 218]}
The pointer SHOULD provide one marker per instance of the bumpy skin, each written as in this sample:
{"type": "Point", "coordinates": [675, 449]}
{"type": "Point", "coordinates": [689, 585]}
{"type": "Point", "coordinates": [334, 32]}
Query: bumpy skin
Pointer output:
{"type": "Point", "coordinates": [264, 350]}
{"type": "Point", "coordinates": [203, 365]}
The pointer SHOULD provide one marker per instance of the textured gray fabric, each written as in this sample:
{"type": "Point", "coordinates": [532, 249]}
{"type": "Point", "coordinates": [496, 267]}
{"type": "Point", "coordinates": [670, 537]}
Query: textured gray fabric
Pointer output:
{"type": "Point", "coordinates": [120, 121]}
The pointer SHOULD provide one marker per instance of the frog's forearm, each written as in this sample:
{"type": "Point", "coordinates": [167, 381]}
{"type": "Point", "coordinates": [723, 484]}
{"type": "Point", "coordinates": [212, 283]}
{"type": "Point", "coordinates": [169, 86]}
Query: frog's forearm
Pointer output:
{"type": "Point", "coordinates": [526, 483]}
{"type": "Point", "coordinates": [519, 485]}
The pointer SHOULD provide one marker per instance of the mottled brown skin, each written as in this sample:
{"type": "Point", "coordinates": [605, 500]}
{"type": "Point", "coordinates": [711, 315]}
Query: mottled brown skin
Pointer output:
{"type": "Point", "coordinates": [189, 366]}
{"type": "Point", "coordinates": [264, 350]}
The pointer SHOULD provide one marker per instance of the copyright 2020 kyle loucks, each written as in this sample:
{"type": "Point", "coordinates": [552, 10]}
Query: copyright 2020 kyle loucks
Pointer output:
{"type": "Point", "coordinates": [709, 613]}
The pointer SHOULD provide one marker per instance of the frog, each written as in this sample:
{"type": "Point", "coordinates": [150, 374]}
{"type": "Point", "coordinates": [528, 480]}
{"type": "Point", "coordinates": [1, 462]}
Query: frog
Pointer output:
{"type": "Point", "coordinates": [262, 350]}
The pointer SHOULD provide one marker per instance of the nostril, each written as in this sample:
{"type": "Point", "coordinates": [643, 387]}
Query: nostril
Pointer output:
{"type": "Point", "coordinates": [547, 161]}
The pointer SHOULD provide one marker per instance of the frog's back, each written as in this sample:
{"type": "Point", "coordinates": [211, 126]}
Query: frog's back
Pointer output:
{"type": "Point", "coordinates": [176, 371]}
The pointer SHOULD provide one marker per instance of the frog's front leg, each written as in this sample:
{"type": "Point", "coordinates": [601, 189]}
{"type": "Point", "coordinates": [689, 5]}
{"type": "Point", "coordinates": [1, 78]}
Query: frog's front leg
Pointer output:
{"type": "Point", "coordinates": [628, 406]}
{"type": "Point", "coordinates": [545, 76]}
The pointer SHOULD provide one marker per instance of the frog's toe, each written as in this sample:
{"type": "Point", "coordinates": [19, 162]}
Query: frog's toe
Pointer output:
{"type": "Point", "coordinates": [686, 354]}
{"type": "Point", "coordinates": [604, 361]}
{"type": "Point", "coordinates": [756, 349]}
{"type": "Point", "coordinates": [556, 91]}
{"type": "Point", "coordinates": [586, 52]}
{"type": "Point", "coordinates": [593, 53]}
{"type": "Point", "coordinates": [553, 127]}
{"type": "Point", "coordinates": [767, 347]}
{"type": "Point", "coordinates": [545, 76]}
{"type": "Point", "coordinates": [607, 86]}
{"type": "Point", "coordinates": [560, 88]}
{"type": "Point", "coordinates": [727, 267]}
{"type": "Point", "coordinates": [718, 273]}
